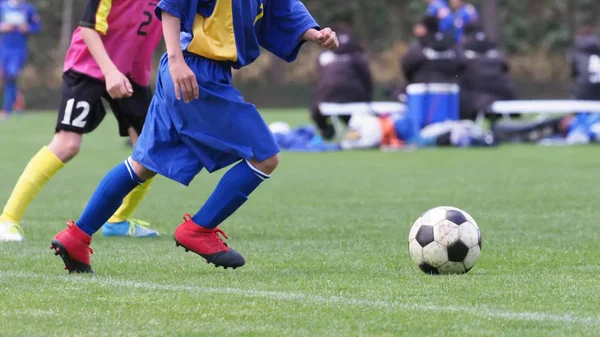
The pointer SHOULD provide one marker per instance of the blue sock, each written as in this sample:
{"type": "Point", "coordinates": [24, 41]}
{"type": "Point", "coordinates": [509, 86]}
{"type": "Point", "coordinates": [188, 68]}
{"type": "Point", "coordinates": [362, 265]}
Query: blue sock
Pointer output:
{"type": "Point", "coordinates": [107, 197]}
{"type": "Point", "coordinates": [229, 195]}
{"type": "Point", "coordinates": [10, 93]}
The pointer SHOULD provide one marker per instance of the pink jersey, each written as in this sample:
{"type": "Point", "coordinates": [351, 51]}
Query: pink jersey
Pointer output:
{"type": "Point", "coordinates": [130, 32]}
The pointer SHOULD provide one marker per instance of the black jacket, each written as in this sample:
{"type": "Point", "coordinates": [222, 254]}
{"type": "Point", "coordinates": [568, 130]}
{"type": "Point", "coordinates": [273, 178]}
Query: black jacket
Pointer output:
{"type": "Point", "coordinates": [344, 74]}
{"type": "Point", "coordinates": [434, 58]}
{"type": "Point", "coordinates": [584, 58]}
{"type": "Point", "coordinates": [485, 71]}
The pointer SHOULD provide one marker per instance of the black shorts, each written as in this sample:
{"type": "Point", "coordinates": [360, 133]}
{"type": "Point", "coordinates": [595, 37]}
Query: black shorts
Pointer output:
{"type": "Point", "coordinates": [81, 109]}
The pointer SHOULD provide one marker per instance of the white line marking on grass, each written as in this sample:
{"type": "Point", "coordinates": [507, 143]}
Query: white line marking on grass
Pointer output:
{"type": "Point", "coordinates": [29, 312]}
{"type": "Point", "coordinates": [478, 311]}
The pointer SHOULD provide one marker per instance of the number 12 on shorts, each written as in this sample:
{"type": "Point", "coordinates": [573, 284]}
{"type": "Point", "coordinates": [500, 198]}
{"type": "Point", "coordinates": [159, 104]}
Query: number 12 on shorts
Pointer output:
{"type": "Point", "coordinates": [80, 120]}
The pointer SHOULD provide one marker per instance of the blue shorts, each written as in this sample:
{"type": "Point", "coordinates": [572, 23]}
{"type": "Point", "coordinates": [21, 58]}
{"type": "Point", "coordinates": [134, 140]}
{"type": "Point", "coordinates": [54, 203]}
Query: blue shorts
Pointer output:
{"type": "Point", "coordinates": [12, 62]}
{"type": "Point", "coordinates": [180, 139]}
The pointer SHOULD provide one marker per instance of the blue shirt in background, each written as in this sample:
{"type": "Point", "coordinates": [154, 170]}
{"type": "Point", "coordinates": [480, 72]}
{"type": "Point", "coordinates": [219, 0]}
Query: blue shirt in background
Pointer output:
{"type": "Point", "coordinates": [462, 17]}
{"type": "Point", "coordinates": [441, 10]}
{"type": "Point", "coordinates": [16, 14]}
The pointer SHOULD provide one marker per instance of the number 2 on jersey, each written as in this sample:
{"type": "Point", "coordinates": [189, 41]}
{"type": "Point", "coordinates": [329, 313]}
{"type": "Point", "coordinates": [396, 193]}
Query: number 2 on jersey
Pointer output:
{"type": "Point", "coordinates": [145, 23]}
{"type": "Point", "coordinates": [80, 120]}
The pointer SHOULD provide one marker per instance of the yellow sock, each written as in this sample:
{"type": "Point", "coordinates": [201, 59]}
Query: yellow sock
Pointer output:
{"type": "Point", "coordinates": [131, 202]}
{"type": "Point", "coordinates": [36, 174]}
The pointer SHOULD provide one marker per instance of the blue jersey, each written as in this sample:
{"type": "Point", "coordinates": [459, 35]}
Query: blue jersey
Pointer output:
{"type": "Point", "coordinates": [462, 17]}
{"type": "Point", "coordinates": [440, 9]}
{"type": "Point", "coordinates": [234, 30]}
{"type": "Point", "coordinates": [220, 127]}
{"type": "Point", "coordinates": [16, 14]}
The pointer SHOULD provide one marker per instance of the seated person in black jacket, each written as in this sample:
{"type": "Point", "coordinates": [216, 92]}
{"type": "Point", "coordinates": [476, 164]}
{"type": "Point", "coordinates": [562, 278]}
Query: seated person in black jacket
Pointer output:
{"type": "Point", "coordinates": [433, 58]}
{"type": "Point", "coordinates": [343, 77]}
{"type": "Point", "coordinates": [484, 77]}
{"type": "Point", "coordinates": [584, 59]}
{"type": "Point", "coordinates": [582, 128]}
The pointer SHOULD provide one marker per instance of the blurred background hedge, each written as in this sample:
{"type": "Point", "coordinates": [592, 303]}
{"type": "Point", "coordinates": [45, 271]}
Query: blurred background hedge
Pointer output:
{"type": "Point", "coordinates": [535, 33]}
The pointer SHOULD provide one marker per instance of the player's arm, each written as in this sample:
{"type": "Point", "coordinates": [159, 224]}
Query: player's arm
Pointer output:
{"type": "Point", "coordinates": [94, 23]}
{"type": "Point", "coordinates": [183, 77]}
{"type": "Point", "coordinates": [34, 23]}
{"type": "Point", "coordinates": [4, 27]}
{"type": "Point", "coordinates": [325, 37]}
{"type": "Point", "coordinates": [117, 84]}
{"type": "Point", "coordinates": [286, 25]}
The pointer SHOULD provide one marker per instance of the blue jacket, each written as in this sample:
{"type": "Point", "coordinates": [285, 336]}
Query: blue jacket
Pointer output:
{"type": "Point", "coordinates": [441, 10]}
{"type": "Point", "coordinates": [462, 17]}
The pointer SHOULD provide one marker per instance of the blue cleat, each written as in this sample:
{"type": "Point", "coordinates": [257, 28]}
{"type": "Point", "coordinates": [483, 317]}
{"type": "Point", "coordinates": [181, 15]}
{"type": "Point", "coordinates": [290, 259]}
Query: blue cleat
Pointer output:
{"type": "Point", "coordinates": [131, 227]}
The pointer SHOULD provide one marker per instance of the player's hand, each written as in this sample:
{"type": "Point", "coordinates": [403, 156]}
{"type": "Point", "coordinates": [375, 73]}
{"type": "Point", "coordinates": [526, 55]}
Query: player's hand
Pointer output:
{"type": "Point", "coordinates": [24, 28]}
{"type": "Point", "coordinates": [325, 37]}
{"type": "Point", "coordinates": [184, 80]}
{"type": "Point", "coordinates": [6, 27]}
{"type": "Point", "coordinates": [328, 39]}
{"type": "Point", "coordinates": [118, 85]}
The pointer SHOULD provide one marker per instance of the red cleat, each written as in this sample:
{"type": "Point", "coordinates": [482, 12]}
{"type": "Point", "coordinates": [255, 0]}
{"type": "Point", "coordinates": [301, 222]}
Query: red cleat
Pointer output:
{"type": "Point", "coordinates": [73, 246]}
{"type": "Point", "coordinates": [207, 243]}
{"type": "Point", "coordinates": [20, 103]}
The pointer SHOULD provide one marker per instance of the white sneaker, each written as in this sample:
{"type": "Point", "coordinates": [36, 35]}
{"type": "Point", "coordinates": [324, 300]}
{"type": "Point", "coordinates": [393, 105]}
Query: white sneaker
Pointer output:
{"type": "Point", "coordinates": [10, 232]}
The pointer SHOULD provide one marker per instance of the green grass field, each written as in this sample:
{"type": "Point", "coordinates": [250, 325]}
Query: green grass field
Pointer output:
{"type": "Point", "coordinates": [325, 244]}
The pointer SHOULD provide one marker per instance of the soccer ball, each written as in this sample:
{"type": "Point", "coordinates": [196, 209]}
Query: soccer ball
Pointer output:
{"type": "Point", "coordinates": [445, 240]}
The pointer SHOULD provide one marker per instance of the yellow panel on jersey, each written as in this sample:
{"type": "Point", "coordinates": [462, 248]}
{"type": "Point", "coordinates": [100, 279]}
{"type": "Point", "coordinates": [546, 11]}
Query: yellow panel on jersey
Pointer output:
{"type": "Point", "coordinates": [102, 16]}
{"type": "Point", "coordinates": [261, 14]}
{"type": "Point", "coordinates": [214, 37]}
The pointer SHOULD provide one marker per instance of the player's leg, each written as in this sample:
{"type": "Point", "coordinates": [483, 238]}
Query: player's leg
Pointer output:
{"type": "Point", "coordinates": [156, 144]}
{"type": "Point", "coordinates": [19, 103]}
{"type": "Point", "coordinates": [40, 169]}
{"type": "Point", "coordinates": [80, 112]}
{"type": "Point", "coordinates": [72, 244]}
{"type": "Point", "coordinates": [131, 114]}
{"type": "Point", "coordinates": [249, 131]}
{"type": "Point", "coordinates": [200, 233]}
{"type": "Point", "coordinates": [133, 136]}
{"type": "Point", "coordinates": [10, 95]}
{"type": "Point", "coordinates": [220, 129]}
{"type": "Point", "coordinates": [323, 123]}
{"type": "Point", "coordinates": [233, 190]}
{"type": "Point", "coordinates": [37, 173]}
{"type": "Point", "coordinates": [10, 65]}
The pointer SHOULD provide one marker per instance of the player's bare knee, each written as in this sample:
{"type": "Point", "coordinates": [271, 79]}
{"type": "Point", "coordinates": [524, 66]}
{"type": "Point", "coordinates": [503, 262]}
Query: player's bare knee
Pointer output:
{"type": "Point", "coordinates": [273, 162]}
{"type": "Point", "coordinates": [65, 145]}
{"type": "Point", "coordinates": [266, 166]}
{"type": "Point", "coordinates": [141, 171]}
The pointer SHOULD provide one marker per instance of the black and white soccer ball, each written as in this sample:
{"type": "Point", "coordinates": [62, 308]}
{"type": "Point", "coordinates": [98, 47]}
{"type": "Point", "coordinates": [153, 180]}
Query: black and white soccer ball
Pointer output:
{"type": "Point", "coordinates": [445, 240]}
